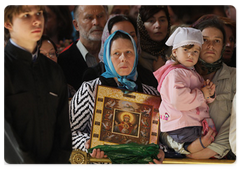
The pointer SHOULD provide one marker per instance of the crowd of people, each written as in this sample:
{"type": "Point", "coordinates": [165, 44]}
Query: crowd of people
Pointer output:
{"type": "Point", "coordinates": [55, 56]}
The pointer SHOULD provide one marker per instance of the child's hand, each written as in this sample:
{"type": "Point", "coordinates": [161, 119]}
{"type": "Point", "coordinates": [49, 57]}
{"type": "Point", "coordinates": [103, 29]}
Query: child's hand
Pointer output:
{"type": "Point", "coordinates": [206, 92]}
{"type": "Point", "coordinates": [208, 89]}
{"type": "Point", "coordinates": [206, 82]}
{"type": "Point", "coordinates": [208, 138]}
{"type": "Point", "coordinates": [212, 88]}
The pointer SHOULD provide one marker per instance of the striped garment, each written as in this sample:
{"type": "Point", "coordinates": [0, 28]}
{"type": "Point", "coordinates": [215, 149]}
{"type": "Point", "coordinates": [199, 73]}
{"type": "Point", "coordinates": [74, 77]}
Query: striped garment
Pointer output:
{"type": "Point", "coordinates": [82, 108]}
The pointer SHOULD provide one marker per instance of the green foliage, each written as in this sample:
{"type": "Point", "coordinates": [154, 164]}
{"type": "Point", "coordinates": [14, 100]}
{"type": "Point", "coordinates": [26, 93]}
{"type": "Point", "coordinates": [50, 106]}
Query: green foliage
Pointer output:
{"type": "Point", "coordinates": [132, 153]}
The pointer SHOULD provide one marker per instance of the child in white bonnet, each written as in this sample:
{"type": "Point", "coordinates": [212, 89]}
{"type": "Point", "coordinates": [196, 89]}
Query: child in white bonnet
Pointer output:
{"type": "Point", "coordinates": [185, 95]}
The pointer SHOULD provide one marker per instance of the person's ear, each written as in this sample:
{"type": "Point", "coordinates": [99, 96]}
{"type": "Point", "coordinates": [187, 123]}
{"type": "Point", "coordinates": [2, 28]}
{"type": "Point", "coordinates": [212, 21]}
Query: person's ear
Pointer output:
{"type": "Point", "coordinates": [75, 24]}
{"type": "Point", "coordinates": [174, 52]}
{"type": "Point", "coordinates": [8, 25]}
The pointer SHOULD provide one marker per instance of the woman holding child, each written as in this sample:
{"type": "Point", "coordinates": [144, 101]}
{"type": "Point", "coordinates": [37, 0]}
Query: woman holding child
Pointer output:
{"type": "Point", "coordinates": [211, 67]}
{"type": "Point", "coordinates": [224, 77]}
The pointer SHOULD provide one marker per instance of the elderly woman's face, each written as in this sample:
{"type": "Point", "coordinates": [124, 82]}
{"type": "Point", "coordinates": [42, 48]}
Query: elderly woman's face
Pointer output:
{"type": "Point", "coordinates": [157, 26]}
{"type": "Point", "coordinates": [122, 56]}
{"type": "Point", "coordinates": [213, 44]}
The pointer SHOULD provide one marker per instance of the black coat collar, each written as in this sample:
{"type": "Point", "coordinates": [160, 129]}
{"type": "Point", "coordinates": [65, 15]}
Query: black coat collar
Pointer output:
{"type": "Point", "coordinates": [17, 53]}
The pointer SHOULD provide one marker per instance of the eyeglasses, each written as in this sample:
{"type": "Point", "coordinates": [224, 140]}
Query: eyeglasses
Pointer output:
{"type": "Point", "coordinates": [50, 54]}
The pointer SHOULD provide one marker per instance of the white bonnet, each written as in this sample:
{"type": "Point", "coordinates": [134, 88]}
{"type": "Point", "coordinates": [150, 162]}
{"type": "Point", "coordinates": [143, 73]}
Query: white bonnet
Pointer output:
{"type": "Point", "coordinates": [185, 36]}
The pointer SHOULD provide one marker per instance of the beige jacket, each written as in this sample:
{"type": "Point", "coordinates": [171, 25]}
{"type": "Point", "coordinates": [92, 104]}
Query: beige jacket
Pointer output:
{"type": "Point", "coordinates": [220, 109]}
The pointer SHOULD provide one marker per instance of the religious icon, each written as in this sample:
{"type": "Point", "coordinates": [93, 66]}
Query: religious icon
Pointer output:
{"type": "Point", "coordinates": [129, 107]}
{"type": "Point", "coordinates": [110, 103]}
{"type": "Point", "coordinates": [108, 115]}
{"type": "Point", "coordinates": [146, 110]}
{"type": "Point", "coordinates": [144, 132]}
{"type": "Point", "coordinates": [107, 125]}
{"type": "Point", "coordinates": [144, 122]}
{"type": "Point", "coordinates": [108, 137]}
{"type": "Point", "coordinates": [121, 117]}
{"type": "Point", "coordinates": [126, 122]}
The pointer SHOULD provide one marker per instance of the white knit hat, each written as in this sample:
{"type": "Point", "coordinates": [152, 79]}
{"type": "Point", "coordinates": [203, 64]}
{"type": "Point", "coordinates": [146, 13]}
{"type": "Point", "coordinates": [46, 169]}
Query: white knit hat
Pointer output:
{"type": "Point", "coordinates": [185, 36]}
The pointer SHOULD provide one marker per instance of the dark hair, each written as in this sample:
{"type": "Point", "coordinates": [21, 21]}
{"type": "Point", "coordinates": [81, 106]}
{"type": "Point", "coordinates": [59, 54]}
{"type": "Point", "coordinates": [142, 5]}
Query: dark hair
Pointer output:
{"type": "Point", "coordinates": [120, 18]}
{"type": "Point", "coordinates": [120, 34]}
{"type": "Point", "coordinates": [210, 20]}
{"type": "Point", "coordinates": [64, 19]}
{"type": "Point", "coordinates": [45, 37]}
{"type": "Point", "coordinates": [206, 21]}
{"type": "Point", "coordinates": [147, 12]}
{"type": "Point", "coordinates": [11, 9]}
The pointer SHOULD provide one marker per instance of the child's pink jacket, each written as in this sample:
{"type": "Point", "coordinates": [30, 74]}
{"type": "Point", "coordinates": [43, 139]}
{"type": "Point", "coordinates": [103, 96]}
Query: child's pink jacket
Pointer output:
{"type": "Point", "coordinates": [183, 102]}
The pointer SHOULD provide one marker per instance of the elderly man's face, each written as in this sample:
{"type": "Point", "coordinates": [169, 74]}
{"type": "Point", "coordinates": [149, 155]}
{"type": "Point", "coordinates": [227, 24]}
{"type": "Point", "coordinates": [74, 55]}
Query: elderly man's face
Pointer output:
{"type": "Point", "coordinates": [90, 22]}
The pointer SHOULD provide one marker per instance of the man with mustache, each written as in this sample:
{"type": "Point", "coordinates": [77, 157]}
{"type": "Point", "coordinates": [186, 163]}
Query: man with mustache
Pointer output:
{"type": "Point", "coordinates": [89, 21]}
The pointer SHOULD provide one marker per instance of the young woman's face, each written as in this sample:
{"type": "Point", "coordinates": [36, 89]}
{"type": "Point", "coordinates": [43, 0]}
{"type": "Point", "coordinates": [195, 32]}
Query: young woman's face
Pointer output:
{"type": "Point", "coordinates": [48, 50]}
{"type": "Point", "coordinates": [213, 44]}
{"type": "Point", "coordinates": [157, 26]}
{"type": "Point", "coordinates": [127, 27]}
{"type": "Point", "coordinates": [187, 57]}
{"type": "Point", "coordinates": [122, 56]}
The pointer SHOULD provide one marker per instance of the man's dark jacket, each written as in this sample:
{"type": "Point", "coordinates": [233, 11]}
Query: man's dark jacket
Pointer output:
{"type": "Point", "coordinates": [73, 65]}
{"type": "Point", "coordinates": [36, 109]}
